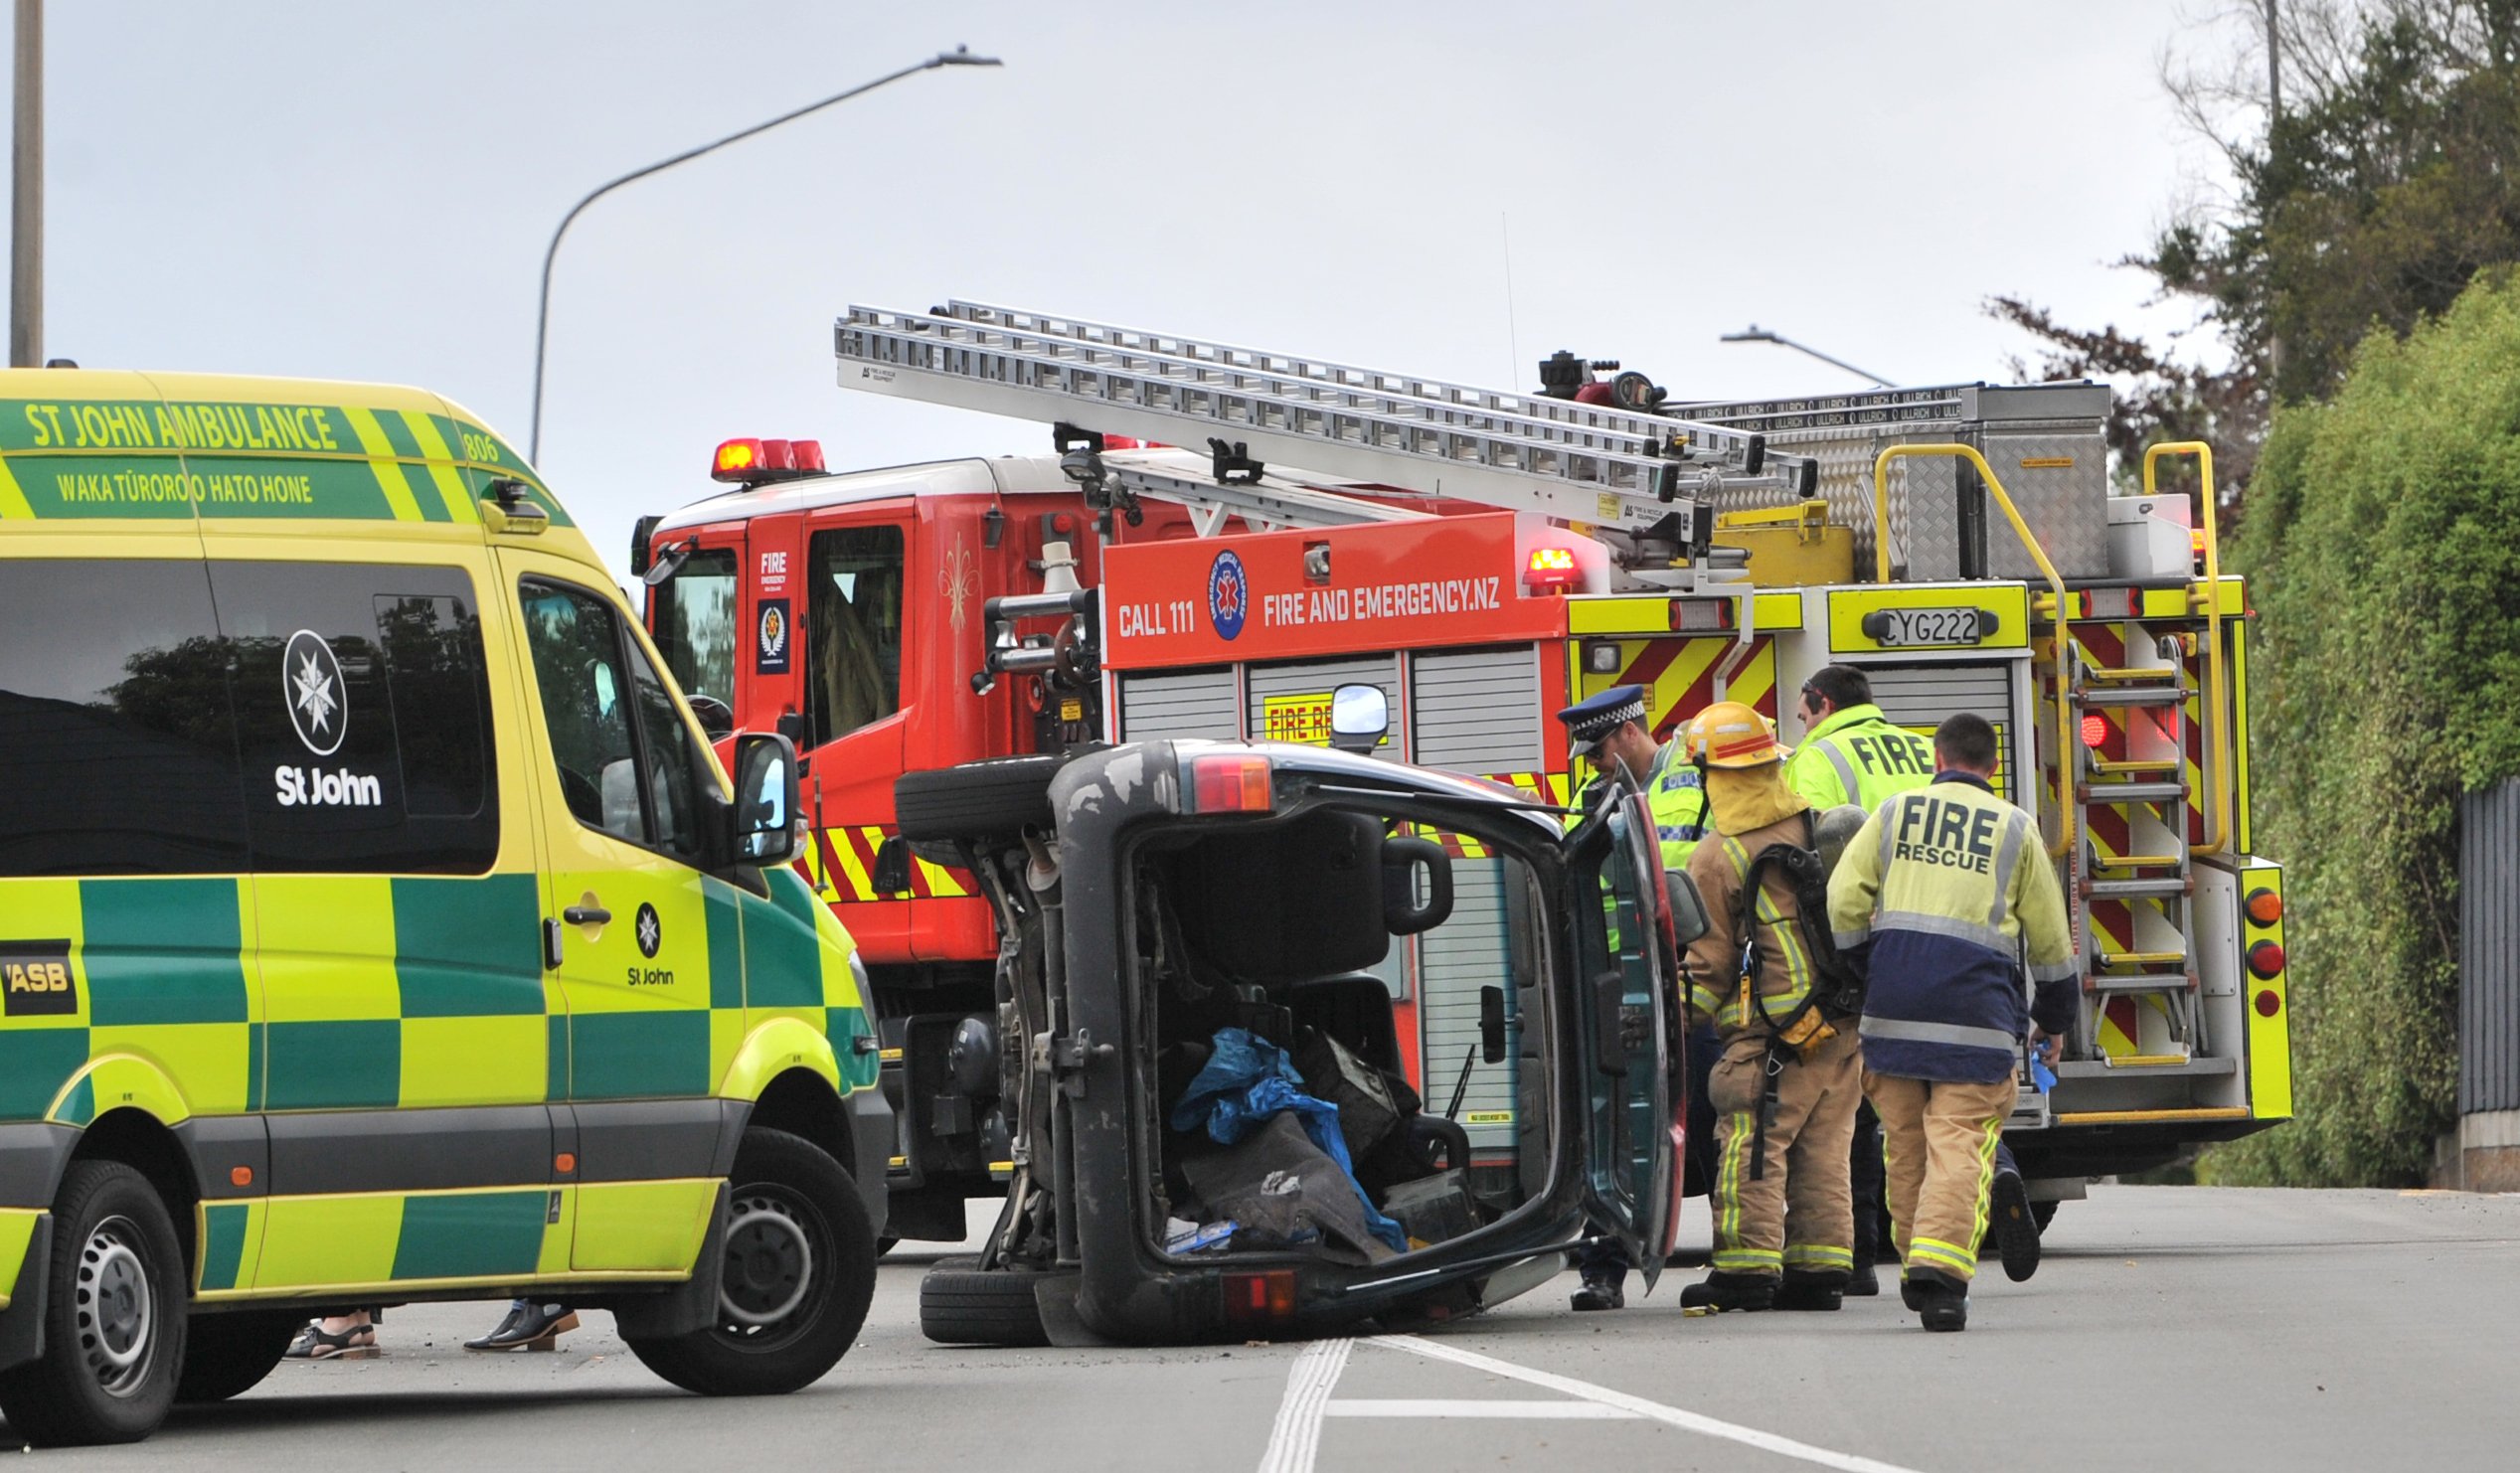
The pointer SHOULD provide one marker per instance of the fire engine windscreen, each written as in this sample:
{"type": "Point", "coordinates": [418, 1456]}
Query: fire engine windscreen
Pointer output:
{"type": "Point", "coordinates": [1257, 946]}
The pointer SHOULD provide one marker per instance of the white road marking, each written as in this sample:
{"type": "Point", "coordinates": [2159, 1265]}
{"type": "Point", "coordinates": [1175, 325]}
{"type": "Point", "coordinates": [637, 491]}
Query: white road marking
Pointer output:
{"type": "Point", "coordinates": [1520, 1410]}
{"type": "Point", "coordinates": [1585, 1390]}
{"type": "Point", "coordinates": [1296, 1440]}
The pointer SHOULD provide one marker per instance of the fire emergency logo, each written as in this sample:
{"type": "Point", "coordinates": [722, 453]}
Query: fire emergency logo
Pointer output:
{"type": "Point", "coordinates": [310, 680]}
{"type": "Point", "coordinates": [1228, 593]}
{"type": "Point", "coordinates": [770, 656]}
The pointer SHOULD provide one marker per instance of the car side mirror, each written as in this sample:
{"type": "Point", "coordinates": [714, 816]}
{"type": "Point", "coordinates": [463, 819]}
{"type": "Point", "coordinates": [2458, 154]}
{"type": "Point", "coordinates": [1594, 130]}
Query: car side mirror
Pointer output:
{"type": "Point", "coordinates": [763, 817]}
{"type": "Point", "coordinates": [1492, 1025]}
{"type": "Point", "coordinates": [1688, 908]}
{"type": "Point", "coordinates": [1360, 714]}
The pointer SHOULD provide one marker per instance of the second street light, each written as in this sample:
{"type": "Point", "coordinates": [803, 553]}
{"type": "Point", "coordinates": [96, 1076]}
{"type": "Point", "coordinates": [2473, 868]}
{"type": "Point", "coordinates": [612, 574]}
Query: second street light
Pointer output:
{"type": "Point", "coordinates": [958, 57]}
{"type": "Point", "coordinates": [1757, 334]}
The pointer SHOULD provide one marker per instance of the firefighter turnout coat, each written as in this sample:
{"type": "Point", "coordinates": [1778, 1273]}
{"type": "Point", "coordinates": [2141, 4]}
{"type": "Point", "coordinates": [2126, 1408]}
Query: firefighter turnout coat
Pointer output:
{"type": "Point", "coordinates": [1942, 892]}
{"type": "Point", "coordinates": [1856, 756]}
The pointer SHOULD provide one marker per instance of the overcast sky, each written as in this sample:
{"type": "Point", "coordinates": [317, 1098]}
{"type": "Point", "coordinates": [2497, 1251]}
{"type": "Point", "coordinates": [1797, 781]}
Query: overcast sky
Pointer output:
{"type": "Point", "coordinates": [363, 190]}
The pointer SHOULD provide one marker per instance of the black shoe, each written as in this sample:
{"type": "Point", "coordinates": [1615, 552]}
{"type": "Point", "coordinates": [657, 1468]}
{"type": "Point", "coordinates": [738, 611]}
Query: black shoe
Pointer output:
{"type": "Point", "coordinates": [1939, 1298]}
{"type": "Point", "coordinates": [530, 1325]}
{"type": "Point", "coordinates": [2016, 1228]}
{"type": "Point", "coordinates": [1865, 1281]}
{"type": "Point", "coordinates": [1807, 1289]}
{"type": "Point", "coordinates": [1742, 1291]}
{"type": "Point", "coordinates": [1599, 1292]}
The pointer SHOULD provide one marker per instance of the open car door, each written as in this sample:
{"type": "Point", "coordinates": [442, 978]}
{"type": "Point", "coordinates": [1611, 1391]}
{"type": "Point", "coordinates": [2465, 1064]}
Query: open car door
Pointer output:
{"type": "Point", "coordinates": [1626, 1038]}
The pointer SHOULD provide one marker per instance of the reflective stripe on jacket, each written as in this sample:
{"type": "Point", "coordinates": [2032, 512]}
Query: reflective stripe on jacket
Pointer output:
{"type": "Point", "coordinates": [1677, 796]}
{"type": "Point", "coordinates": [1855, 756]}
{"type": "Point", "coordinates": [1948, 886]}
{"type": "Point", "coordinates": [1715, 959]}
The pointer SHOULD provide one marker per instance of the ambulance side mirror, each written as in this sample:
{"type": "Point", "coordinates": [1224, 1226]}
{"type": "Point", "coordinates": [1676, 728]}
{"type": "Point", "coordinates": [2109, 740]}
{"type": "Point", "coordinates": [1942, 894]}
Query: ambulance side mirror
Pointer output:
{"type": "Point", "coordinates": [763, 816]}
{"type": "Point", "coordinates": [1688, 910]}
{"type": "Point", "coordinates": [1359, 717]}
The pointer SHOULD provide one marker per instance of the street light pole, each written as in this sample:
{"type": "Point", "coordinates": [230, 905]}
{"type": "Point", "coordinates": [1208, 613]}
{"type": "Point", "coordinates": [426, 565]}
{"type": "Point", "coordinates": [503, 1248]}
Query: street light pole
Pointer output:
{"type": "Point", "coordinates": [1757, 334]}
{"type": "Point", "coordinates": [26, 193]}
{"type": "Point", "coordinates": [958, 57]}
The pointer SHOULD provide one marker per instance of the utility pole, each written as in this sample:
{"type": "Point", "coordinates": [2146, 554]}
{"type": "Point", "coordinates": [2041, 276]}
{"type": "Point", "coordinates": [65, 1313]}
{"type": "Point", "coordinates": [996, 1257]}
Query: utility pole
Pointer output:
{"type": "Point", "coordinates": [25, 194]}
{"type": "Point", "coordinates": [2274, 116]}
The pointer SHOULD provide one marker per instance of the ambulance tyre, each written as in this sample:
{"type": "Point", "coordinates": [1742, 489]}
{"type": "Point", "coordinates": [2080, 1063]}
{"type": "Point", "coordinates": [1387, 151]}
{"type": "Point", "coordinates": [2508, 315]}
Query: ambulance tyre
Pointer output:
{"type": "Point", "coordinates": [227, 1355]}
{"type": "Point", "coordinates": [114, 1316]}
{"type": "Point", "coordinates": [992, 798]}
{"type": "Point", "coordinates": [795, 1282]}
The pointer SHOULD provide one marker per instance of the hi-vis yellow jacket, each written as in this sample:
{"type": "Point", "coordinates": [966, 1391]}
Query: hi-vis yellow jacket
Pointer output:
{"type": "Point", "coordinates": [1942, 893]}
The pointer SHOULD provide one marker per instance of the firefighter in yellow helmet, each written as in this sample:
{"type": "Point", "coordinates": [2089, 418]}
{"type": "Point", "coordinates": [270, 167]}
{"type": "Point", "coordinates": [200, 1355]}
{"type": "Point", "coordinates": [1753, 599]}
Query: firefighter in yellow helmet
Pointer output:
{"type": "Point", "coordinates": [1785, 1086]}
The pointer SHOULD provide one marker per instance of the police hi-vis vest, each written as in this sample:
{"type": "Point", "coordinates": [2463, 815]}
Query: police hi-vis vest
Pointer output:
{"type": "Point", "coordinates": [1948, 886]}
{"type": "Point", "coordinates": [1677, 796]}
{"type": "Point", "coordinates": [1855, 756]}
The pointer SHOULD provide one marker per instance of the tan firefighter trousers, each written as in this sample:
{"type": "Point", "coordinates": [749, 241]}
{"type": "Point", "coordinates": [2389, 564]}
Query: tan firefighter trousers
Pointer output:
{"type": "Point", "coordinates": [1939, 1141]}
{"type": "Point", "coordinates": [1800, 1212]}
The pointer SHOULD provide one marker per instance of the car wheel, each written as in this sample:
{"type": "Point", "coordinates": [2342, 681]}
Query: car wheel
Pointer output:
{"type": "Point", "coordinates": [960, 1304]}
{"type": "Point", "coordinates": [114, 1316]}
{"type": "Point", "coordinates": [227, 1355]}
{"type": "Point", "coordinates": [995, 797]}
{"type": "Point", "coordinates": [795, 1281]}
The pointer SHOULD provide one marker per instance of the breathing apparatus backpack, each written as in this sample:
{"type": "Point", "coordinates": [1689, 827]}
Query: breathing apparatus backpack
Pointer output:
{"type": "Point", "coordinates": [1836, 994]}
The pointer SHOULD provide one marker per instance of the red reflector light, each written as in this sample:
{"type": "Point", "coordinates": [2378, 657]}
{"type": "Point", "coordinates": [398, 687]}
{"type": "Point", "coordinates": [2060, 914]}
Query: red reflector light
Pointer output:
{"type": "Point", "coordinates": [2265, 959]}
{"type": "Point", "coordinates": [737, 460]}
{"type": "Point", "coordinates": [1229, 782]}
{"type": "Point", "coordinates": [808, 455]}
{"type": "Point", "coordinates": [2268, 1003]}
{"type": "Point", "coordinates": [1700, 615]}
{"type": "Point", "coordinates": [1255, 1297]}
{"type": "Point", "coordinates": [1551, 570]}
{"type": "Point", "coordinates": [2094, 729]}
{"type": "Point", "coordinates": [2264, 905]}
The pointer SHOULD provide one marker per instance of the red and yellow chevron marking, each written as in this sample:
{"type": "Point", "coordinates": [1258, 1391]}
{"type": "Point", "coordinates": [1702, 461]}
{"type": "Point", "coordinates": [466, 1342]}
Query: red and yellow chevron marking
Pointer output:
{"type": "Point", "coordinates": [841, 864]}
{"type": "Point", "coordinates": [1678, 674]}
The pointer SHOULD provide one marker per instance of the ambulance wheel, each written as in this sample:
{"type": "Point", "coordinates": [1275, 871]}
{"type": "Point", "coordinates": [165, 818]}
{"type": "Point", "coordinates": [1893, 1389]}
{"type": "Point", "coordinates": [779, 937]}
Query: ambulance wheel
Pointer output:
{"type": "Point", "coordinates": [986, 799]}
{"type": "Point", "coordinates": [960, 1304]}
{"type": "Point", "coordinates": [227, 1355]}
{"type": "Point", "coordinates": [795, 1282]}
{"type": "Point", "coordinates": [114, 1316]}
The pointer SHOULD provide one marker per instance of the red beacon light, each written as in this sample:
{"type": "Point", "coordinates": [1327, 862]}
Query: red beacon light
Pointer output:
{"type": "Point", "coordinates": [1551, 571]}
{"type": "Point", "coordinates": [758, 462]}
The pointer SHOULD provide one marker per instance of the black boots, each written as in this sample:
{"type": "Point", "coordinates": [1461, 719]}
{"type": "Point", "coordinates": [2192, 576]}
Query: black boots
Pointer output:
{"type": "Point", "coordinates": [2016, 1228]}
{"type": "Point", "coordinates": [1939, 1298]}
{"type": "Point", "coordinates": [1601, 1291]}
{"type": "Point", "coordinates": [1865, 1281]}
{"type": "Point", "coordinates": [1742, 1291]}
{"type": "Point", "coordinates": [1806, 1288]}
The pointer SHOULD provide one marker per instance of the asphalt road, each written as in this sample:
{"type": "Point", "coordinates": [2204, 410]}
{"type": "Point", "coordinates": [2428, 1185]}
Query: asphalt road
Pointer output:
{"type": "Point", "coordinates": [2169, 1328]}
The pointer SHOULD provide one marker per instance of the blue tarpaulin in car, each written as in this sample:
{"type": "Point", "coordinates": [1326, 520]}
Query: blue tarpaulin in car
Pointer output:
{"type": "Point", "coordinates": [1247, 1080]}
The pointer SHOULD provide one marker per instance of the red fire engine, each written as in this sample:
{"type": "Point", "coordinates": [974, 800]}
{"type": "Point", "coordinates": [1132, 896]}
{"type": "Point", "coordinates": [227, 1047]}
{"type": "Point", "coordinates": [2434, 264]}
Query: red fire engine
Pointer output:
{"type": "Point", "coordinates": [1484, 558]}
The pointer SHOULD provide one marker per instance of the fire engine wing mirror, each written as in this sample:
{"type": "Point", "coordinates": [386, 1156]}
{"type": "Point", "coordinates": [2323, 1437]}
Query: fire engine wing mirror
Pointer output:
{"type": "Point", "coordinates": [1359, 718]}
{"type": "Point", "coordinates": [667, 562]}
{"type": "Point", "coordinates": [717, 719]}
{"type": "Point", "coordinates": [1688, 908]}
{"type": "Point", "coordinates": [766, 802]}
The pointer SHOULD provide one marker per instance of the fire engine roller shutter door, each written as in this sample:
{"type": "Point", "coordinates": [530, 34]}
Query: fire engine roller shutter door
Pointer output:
{"type": "Point", "coordinates": [1292, 701]}
{"type": "Point", "coordinates": [1178, 702]}
{"type": "Point", "coordinates": [1476, 711]}
{"type": "Point", "coordinates": [1918, 697]}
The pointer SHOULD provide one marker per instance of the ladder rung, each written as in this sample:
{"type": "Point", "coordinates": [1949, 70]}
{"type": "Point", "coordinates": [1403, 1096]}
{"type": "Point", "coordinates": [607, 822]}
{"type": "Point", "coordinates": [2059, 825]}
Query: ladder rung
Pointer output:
{"type": "Point", "coordinates": [2117, 674]}
{"type": "Point", "coordinates": [2141, 958]}
{"type": "Point", "coordinates": [2136, 861]}
{"type": "Point", "coordinates": [2075, 1069]}
{"type": "Point", "coordinates": [2117, 765]}
{"type": "Point", "coordinates": [2128, 890]}
{"type": "Point", "coordinates": [2133, 695]}
{"type": "Point", "coordinates": [2129, 793]}
{"type": "Point", "coordinates": [2095, 982]}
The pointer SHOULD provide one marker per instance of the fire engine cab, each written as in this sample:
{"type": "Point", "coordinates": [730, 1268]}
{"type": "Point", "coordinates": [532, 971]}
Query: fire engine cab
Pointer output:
{"type": "Point", "coordinates": [1219, 538]}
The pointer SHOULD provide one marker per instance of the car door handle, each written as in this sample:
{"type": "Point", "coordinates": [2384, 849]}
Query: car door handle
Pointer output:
{"type": "Point", "coordinates": [587, 916]}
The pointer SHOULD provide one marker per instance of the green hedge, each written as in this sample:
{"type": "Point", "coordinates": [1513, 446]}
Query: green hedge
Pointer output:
{"type": "Point", "coordinates": [2383, 552]}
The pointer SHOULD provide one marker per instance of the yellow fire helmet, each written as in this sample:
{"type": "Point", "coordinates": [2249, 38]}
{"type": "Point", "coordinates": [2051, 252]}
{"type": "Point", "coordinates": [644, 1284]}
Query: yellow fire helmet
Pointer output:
{"type": "Point", "coordinates": [1729, 734]}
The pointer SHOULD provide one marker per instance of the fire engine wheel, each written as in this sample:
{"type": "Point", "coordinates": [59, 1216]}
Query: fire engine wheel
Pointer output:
{"type": "Point", "coordinates": [795, 1282]}
{"type": "Point", "coordinates": [960, 1304]}
{"type": "Point", "coordinates": [994, 798]}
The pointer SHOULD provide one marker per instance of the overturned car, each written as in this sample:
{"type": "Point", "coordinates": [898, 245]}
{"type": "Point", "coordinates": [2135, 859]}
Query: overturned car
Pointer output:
{"type": "Point", "coordinates": [1211, 1131]}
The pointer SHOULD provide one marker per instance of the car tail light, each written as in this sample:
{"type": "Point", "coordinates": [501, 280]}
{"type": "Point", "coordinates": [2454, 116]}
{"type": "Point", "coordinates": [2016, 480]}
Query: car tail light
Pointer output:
{"type": "Point", "coordinates": [1551, 571]}
{"type": "Point", "coordinates": [2266, 960]}
{"type": "Point", "coordinates": [1229, 782]}
{"type": "Point", "coordinates": [1267, 1297]}
{"type": "Point", "coordinates": [1700, 615]}
{"type": "Point", "coordinates": [2094, 729]}
{"type": "Point", "coordinates": [2264, 905]}
{"type": "Point", "coordinates": [738, 460]}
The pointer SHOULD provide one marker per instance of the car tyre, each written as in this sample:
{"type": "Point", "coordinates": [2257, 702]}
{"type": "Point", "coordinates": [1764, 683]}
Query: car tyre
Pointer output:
{"type": "Point", "coordinates": [961, 1304]}
{"type": "Point", "coordinates": [795, 1282]}
{"type": "Point", "coordinates": [992, 798]}
{"type": "Point", "coordinates": [228, 1354]}
{"type": "Point", "coordinates": [114, 1316]}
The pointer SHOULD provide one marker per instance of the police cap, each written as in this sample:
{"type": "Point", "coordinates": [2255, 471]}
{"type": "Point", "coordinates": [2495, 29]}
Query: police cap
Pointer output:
{"type": "Point", "coordinates": [1598, 715]}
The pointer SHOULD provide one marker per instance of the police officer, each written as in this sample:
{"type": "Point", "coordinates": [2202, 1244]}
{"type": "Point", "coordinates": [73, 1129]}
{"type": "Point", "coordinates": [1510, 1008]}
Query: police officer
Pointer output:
{"type": "Point", "coordinates": [1785, 1086]}
{"type": "Point", "coordinates": [1608, 730]}
{"type": "Point", "coordinates": [1852, 754]}
{"type": "Point", "coordinates": [1940, 893]}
